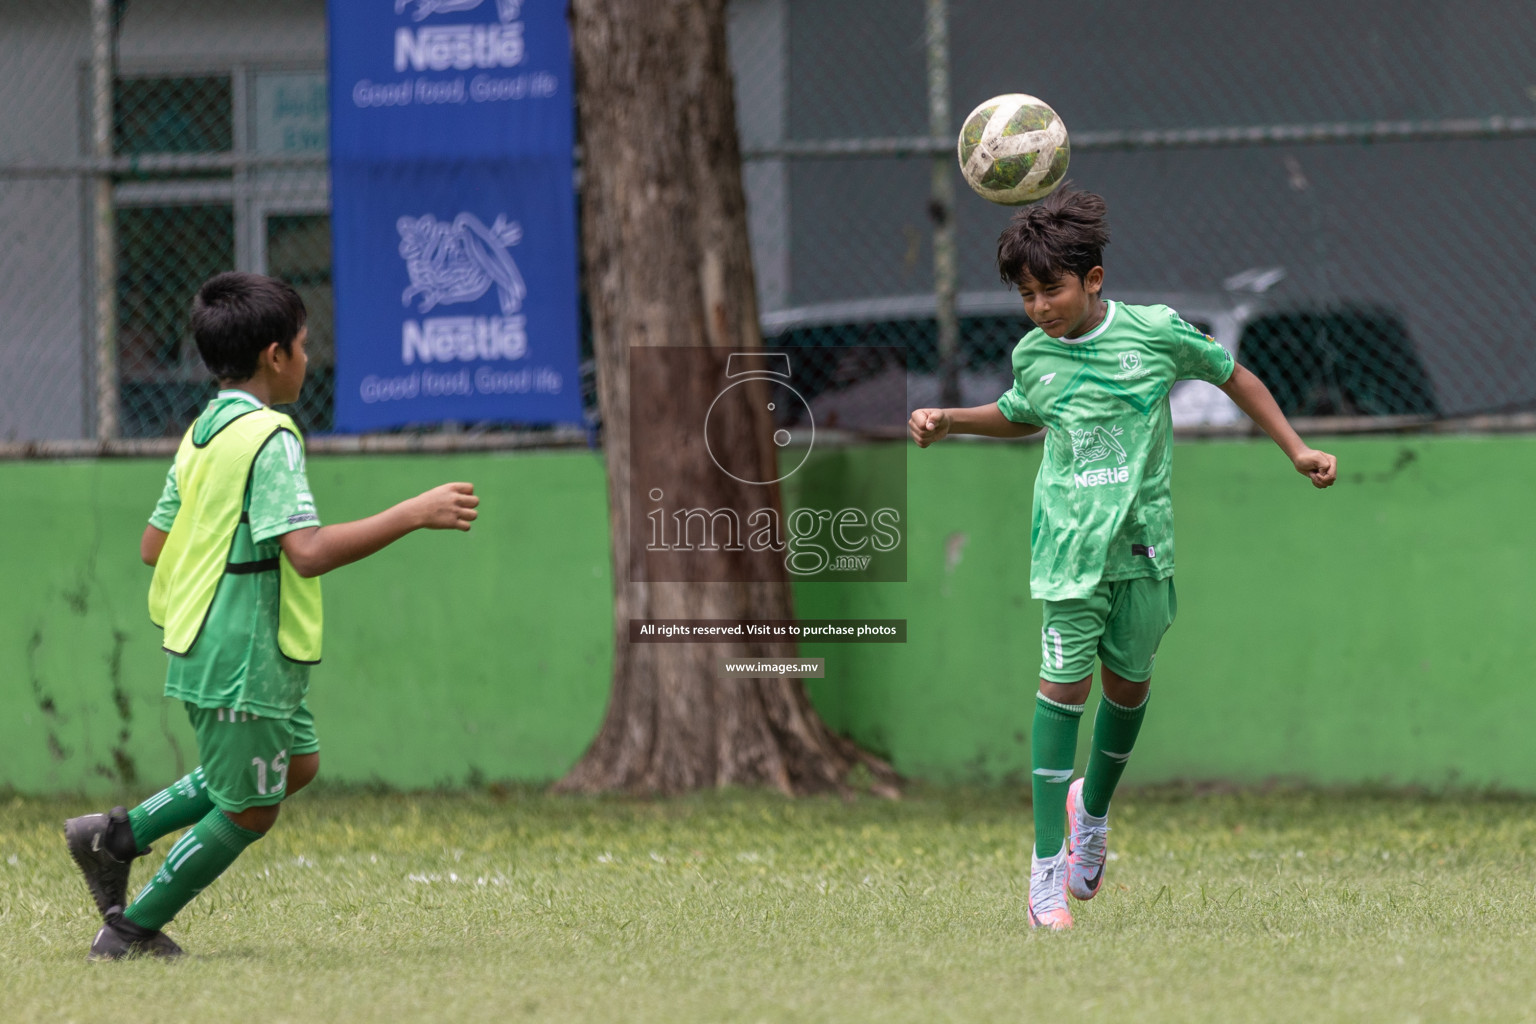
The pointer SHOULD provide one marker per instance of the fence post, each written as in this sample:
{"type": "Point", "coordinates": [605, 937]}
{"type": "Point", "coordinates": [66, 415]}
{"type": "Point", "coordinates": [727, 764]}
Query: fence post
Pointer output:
{"type": "Point", "coordinates": [941, 204]}
{"type": "Point", "coordinates": [104, 227]}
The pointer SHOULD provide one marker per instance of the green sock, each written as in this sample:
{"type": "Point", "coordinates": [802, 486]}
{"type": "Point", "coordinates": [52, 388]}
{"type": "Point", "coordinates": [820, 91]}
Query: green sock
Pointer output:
{"type": "Point", "coordinates": [182, 803]}
{"type": "Point", "coordinates": [1052, 752]}
{"type": "Point", "coordinates": [197, 859]}
{"type": "Point", "coordinates": [1114, 734]}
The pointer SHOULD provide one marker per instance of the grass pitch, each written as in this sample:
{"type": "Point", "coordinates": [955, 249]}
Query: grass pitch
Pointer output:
{"type": "Point", "coordinates": [1281, 906]}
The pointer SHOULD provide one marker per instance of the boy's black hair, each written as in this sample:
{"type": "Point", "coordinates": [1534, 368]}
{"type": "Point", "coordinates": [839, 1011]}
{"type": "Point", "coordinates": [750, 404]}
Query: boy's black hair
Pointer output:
{"type": "Point", "coordinates": [237, 315]}
{"type": "Point", "coordinates": [1064, 233]}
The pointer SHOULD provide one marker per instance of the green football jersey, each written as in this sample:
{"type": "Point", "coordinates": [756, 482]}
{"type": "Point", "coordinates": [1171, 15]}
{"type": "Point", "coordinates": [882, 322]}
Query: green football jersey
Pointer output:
{"type": "Point", "coordinates": [235, 662]}
{"type": "Point", "coordinates": [1103, 508]}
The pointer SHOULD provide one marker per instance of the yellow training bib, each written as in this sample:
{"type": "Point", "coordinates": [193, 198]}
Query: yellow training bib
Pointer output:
{"type": "Point", "coordinates": [211, 478]}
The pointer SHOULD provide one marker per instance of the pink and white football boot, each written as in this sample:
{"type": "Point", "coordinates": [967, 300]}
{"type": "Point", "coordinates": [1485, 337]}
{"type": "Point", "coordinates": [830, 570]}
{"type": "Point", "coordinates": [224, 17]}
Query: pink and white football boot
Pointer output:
{"type": "Point", "coordinates": [1048, 892]}
{"type": "Point", "coordinates": [1087, 846]}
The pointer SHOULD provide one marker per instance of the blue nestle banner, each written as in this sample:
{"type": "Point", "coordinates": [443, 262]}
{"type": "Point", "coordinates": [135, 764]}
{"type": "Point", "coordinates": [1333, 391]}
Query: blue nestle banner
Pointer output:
{"type": "Point", "coordinates": [453, 212]}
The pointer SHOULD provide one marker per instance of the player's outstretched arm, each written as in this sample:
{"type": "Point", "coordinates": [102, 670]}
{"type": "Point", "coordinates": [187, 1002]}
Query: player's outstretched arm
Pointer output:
{"type": "Point", "coordinates": [1251, 396]}
{"type": "Point", "coordinates": [320, 549]}
{"type": "Point", "coordinates": [929, 425]}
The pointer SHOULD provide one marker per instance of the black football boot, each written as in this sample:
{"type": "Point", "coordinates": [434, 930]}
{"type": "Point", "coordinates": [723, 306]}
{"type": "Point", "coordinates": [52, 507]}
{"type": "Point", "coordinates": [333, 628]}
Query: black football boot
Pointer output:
{"type": "Point", "coordinates": [121, 939]}
{"type": "Point", "coordinates": [103, 848]}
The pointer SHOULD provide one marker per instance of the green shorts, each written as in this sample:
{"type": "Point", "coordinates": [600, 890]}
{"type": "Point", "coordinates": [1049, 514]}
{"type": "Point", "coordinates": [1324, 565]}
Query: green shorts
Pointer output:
{"type": "Point", "coordinates": [245, 757]}
{"type": "Point", "coordinates": [1121, 623]}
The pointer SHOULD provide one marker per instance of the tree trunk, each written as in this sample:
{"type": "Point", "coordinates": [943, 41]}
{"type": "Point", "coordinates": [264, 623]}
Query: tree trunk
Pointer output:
{"type": "Point", "coordinates": [667, 261]}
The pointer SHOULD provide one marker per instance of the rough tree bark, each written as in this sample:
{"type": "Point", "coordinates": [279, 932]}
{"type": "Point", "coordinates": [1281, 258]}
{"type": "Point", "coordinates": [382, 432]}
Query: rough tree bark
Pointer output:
{"type": "Point", "coordinates": [665, 249]}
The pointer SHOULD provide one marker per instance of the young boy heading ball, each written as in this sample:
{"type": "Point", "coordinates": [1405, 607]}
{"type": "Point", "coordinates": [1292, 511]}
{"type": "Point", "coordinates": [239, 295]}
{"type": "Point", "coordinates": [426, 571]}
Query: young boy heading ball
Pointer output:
{"type": "Point", "coordinates": [1096, 373]}
{"type": "Point", "coordinates": [237, 547]}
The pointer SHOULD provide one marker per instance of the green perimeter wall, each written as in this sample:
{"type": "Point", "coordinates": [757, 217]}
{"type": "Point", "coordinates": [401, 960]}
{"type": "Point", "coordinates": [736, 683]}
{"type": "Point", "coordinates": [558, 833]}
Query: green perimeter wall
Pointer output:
{"type": "Point", "coordinates": [1378, 632]}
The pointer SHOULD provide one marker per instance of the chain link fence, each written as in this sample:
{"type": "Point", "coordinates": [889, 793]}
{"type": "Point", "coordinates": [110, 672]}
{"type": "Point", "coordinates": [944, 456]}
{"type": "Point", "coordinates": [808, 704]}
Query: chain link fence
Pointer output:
{"type": "Point", "coordinates": [1338, 192]}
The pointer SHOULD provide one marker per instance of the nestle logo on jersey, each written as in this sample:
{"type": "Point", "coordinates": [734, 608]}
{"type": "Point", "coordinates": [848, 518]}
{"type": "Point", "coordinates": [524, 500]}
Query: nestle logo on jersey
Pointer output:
{"type": "Point", "coordinates": [1099, 477]}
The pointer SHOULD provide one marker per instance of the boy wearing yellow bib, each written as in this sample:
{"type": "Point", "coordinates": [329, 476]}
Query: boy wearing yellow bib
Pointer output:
{"type": "Point", "coordinates": [238, 550]}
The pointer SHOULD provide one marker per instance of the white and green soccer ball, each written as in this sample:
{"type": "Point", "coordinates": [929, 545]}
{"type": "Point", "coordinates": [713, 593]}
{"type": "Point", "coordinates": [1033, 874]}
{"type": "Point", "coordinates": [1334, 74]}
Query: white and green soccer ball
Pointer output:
{"type": "Point", "coordinates": [1014, 149]}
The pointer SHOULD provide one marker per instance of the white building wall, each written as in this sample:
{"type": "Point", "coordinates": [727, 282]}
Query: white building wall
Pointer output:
{"type": "Point", "coordinates": [43, 47]}
{"type": "Point", "coordinates": [47, 374]}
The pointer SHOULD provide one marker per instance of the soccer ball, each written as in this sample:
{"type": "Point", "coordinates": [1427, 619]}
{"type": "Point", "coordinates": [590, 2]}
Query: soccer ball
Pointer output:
{"type": "Point", "coordinates": [1014, 149]}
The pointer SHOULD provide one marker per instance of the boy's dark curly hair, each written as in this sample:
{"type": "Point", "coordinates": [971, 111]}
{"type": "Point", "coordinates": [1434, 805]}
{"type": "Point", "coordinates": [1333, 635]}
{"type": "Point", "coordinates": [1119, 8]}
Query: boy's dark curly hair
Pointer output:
{"type": "Point", "coordinates": [1064, 233]}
